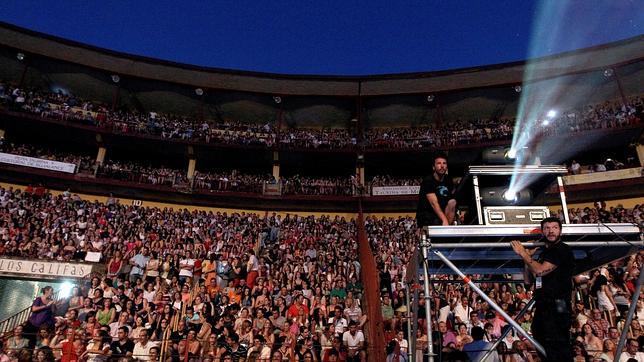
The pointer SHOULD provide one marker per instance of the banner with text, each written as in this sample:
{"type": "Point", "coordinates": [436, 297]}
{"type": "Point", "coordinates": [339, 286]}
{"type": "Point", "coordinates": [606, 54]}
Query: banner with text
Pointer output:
{"type": "Point", "coordinates": [394, 190]}
{"type": "Point", "coordinates": [37, 163]}
{"type": "Point", "coordinates": [272, 189]}
{"type": "Point", "coordinates": [44, 268]}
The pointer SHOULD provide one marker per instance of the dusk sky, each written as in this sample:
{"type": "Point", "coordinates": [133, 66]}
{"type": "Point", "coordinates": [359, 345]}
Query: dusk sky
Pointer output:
{"type": "Point", "coordinates": [321, 37]}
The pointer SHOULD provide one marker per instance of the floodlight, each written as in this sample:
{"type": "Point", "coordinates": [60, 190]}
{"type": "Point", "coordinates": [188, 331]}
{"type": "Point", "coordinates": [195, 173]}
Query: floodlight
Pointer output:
{"type": "Point", "coordinates": [510, 196]}
{"type": "Point", "coordinates": [277, 99]}
{"type": "Point", "coordinates": [511, 154]}
{"type": "Point", "coordinates": [504, 196]}
{"type": "Point", "coordinates": [199, 91]}
{"type": "Point", "coordinates": [116, 78]}
{"type": "Point", "coordinates": [430, 98]}
{"type": "Point", "coordinates": [20, 56]}
{"type": "Point", "coordinates": [66, 289]}
{"type": "Point", "coordinates": [545, 122]}
{"type": "Point", "coordinates": [552, 113]}
{"type": "Point", "coordinates": [499, 155]}
{"type": "Point", "coordinates": [518, 88]}
{"type": "Point", "coordinates": [608, 72]}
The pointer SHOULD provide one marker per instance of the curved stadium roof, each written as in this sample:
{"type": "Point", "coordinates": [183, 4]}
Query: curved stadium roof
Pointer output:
{"type": "Point", "coordinates": [608, 55]}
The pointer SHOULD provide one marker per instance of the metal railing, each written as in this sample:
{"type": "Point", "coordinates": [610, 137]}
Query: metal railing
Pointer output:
{"type": "Point", "coordinates": [15, 320]}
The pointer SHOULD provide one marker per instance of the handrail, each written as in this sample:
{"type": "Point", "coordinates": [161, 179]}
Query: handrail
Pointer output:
{"type": "Point", "coordinates": [8, 324]}
{"type": "Point", "coordinates": [201, 141]}
{"type": "Point", "coordinates": [163, 351]}
{"type": "Point", "coordinates": [194, 292]}
{"type": "Point", "coordinates": [12, 322]}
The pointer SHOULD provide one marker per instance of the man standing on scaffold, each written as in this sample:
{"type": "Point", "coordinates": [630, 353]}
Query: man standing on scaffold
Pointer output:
{"type": "Point", "coordinates": [552, 274]}
{"type": "Point", "coordinates": [436, 203]}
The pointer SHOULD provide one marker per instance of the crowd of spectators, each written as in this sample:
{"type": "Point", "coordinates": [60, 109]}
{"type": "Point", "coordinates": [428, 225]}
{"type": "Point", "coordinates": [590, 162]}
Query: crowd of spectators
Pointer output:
{"type": "Point", "coordinates": [599, 116]}
{"type": "Point", "coordinates": [231, 181]}
{"type": "Point", "coordinates": [138, 173]}
{"type": "Point", "coordinates": [448, 134]}
{"type": "Point", "coordinates": [459, 132]}
{"type": "Point", "coordinates": [214, 181]}
{"type": "Point", "coordinates": [243, 285]}
{"type": "Point", "coordinates": [84, 163]}
{"type": "Point", "coordinates": [314, 138]}
{"type": "Point", "coordinates": [388, 180]}
{"type": "Point", "coordinates": [602, 299]}
{"type": "Point", "coordinates": [608, 164]}
{"type": "Point", "coordinates": [601, 213]}
{"type": "Point", "coordinates": [230, 286]}
{"type": "Point", "coordinates": [301, 185]}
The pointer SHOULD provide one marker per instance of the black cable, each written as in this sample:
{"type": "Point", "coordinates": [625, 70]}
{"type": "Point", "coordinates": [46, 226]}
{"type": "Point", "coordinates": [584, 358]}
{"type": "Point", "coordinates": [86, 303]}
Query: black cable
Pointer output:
{"type": "Point", "coordinates": [600, 223]}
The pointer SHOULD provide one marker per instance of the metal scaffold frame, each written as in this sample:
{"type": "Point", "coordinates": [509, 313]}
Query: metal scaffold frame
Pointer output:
{"type": "Point", "coordinates": [467, 245]}
{"type": "Point", "coordinates": [428, 248]}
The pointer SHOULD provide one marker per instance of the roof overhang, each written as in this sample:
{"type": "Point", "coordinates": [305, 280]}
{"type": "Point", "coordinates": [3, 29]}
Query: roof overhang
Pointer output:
{"type": "Point", "coordinates": [584, 60]}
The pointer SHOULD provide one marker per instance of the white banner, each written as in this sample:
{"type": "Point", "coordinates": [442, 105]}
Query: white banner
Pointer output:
{"type": "Point", "coordinates": [394, 190]}
{"type": "Point", "coordinates": [44, 268]}
{"type": "Point", "coordinates": [37, 163]}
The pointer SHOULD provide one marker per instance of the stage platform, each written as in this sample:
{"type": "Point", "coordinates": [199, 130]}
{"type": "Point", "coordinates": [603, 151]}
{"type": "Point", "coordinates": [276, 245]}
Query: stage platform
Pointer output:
{"type": "Point", "coordinates": [485, 249]}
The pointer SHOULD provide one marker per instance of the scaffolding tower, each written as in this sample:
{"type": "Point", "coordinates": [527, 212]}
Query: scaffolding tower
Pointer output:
{"type": "Point", "coordinates": [485, 249]}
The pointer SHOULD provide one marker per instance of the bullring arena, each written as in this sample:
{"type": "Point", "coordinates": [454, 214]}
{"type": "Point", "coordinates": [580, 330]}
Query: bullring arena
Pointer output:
{"type": "Point", "coordinates": [187, 213]}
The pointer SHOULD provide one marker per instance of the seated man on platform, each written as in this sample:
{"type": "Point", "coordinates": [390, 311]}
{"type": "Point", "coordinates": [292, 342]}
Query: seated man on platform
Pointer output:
{"type": "Point", "coordinates": [436, 203]}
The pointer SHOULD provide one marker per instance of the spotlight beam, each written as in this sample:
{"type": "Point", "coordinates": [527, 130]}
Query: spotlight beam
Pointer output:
{"type": "Point", "coordinates": [545, 100]}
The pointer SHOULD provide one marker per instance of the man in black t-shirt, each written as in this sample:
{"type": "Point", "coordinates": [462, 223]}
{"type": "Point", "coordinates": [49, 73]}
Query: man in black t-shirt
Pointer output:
{"type": "Point", "coordinates": [436, 203]}
{"type": "Point", "coordinates": [552, 273]}
{"type": "Point", "coordinates": [123, 346]}
{"type": "Point", "coordinates": [177, 336]}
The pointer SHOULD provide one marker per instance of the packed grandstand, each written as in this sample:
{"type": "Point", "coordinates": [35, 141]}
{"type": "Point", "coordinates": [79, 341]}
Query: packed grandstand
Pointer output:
{"type": "Point", "coordinates": [289, 277]}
